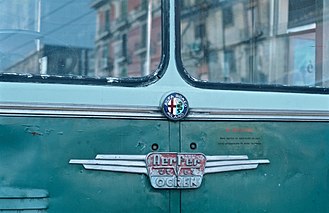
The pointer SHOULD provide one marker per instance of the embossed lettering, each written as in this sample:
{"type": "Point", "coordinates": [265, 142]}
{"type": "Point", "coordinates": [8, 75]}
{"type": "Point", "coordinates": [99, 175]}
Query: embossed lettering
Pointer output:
{"type": "Point", "coordinates": [173, 170]}
{"type": "Point", "coordinates": [179, 182]}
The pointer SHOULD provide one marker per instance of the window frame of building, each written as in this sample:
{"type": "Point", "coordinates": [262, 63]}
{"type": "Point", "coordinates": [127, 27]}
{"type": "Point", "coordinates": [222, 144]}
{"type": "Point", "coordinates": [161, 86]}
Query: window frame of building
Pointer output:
{"type": "Point", "coordinates": [107, 14]}
{"type": "Point", "coordinates": [228, 19]}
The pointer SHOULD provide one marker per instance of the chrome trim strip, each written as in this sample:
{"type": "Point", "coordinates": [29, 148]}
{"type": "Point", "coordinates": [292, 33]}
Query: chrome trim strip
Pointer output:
{"type": "Point", "coordinates": [80, 111]}
{"type": "Point", "coordinates": [226, 157]}
{"type": "Point", "coordinates": [120, 157]}
{"type": "Point", "coordinates": [137, 170]}
{"type": "Point", "coordinates": [138, 163]}
{"type": "Point", "coordinates": [229, 168]}
{"type": "Point", "coordinates": [152, 113]}
{"type": "Point", "coordinates": [109, 162]}
{"type": "Point", "coordinates": [225, 163]}
{"type": "Point", "coordinates": [115, 163]}
{"type": "Point", "coordinates": [236, 162]}
{"type": "Point", "coordinates": [258, 114]}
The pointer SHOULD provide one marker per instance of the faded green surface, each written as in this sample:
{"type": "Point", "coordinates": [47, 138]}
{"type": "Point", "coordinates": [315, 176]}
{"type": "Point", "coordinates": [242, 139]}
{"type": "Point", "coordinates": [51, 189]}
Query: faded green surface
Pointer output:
{"type": "Point", "coordinates": [296, 180]}
{"type": "Point", "coordinates": [35, 153]}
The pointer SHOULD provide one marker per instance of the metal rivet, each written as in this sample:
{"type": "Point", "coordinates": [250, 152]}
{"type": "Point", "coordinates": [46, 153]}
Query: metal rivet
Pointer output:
{"type": "Point", "coordinates": [155, 146]}
{"type": "Point", "coordinates": [193, 145]}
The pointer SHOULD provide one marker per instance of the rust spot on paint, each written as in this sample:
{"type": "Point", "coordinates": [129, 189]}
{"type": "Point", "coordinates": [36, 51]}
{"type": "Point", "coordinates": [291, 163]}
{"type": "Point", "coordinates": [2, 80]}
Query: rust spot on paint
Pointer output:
{"type": "Point", "coordinates": [36, 133]}
{"type": "Point", "coordinates": [33, 130]}
{"type": "Point", "coordinates": [141, 145]}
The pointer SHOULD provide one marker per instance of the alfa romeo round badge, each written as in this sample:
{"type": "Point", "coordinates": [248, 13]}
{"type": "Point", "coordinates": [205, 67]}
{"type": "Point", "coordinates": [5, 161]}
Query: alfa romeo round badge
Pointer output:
{"type": "Point", "coordinates": [175, 106]}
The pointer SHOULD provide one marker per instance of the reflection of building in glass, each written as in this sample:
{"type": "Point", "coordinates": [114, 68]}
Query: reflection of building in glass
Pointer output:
{"type": "Point", "coordinates": [249, 41]}
{"type": "Point", "coordinates": [127, 37]}
{"type": "Point", "coordinates": [56, 60]}
{"type": "Point", "coordinates": [47, 37]}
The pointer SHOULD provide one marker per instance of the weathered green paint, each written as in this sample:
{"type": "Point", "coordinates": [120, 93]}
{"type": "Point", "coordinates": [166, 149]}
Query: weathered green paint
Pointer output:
{"type": "Point", "coordinates": [175, 195]}
{"type": "Point", "coordinates": [35, 153]}
{"type": "Point", "coordinates": [296, 180]}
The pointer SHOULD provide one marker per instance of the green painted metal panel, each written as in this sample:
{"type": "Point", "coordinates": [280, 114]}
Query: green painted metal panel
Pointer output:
{"type": "Point", "coordinates": [175, 195]}
{"type": "Point", "coordinates": [296, 180]}
{"type": "Point", "coordinates": [35, 154]}
{"type": "Point", "coordinates": [16, 199]}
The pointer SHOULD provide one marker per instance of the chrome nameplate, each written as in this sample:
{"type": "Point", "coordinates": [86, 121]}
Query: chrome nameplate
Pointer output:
{"type": "Point", "coordinates": [171, 170]}
{"type": "Point", "coordinates": [175, 170]}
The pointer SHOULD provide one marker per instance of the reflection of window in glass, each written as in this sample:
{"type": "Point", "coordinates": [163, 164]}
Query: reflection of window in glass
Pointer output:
{"type": "Point", "coordinates": [142, 62]}
{"type": "Point", "coordinates": [143, 36]}
{"type": "Point", "coordinates": [99, 38]}
{"type": "Point", "coordinates": [124, 9]}
{"type": "Point", "coordinates": [107, 20]}
{"type": "Point", "coordinates": [229, 61]}
{"type": "Point", "coordinates": [105, 57]}
{"type": "Point", "coordinates": [302, 59]}
{"type": "Point", "coordinates": [200, 31]}
{"type": "Point", "coordinates": [301, 12]}
{"type": "Point", "coordinates": [185, 3]}
{"type": "Point", "coordinates": [124, 45]}
{"type": "Point", "coordinates": [101, 22]}
{"type": "Point", "coordinates": [257, 42]}
{"type": "Point", "coordinates": [123, 71]}
{"type": "Point", "coordinates": [228, 16]}
{"type": "Point", "coordinates": [144, 4]}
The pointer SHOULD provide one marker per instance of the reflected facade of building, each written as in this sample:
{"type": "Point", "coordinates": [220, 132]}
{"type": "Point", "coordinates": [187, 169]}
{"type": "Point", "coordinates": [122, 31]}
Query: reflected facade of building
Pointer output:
{"type": "Point", "coordinates": [40, 37]}
{"type": "Point", "coordinates": [252, 41]}
{"type": "Point", "coordinates": [128, 38]}
{"type": "Point", "coordinates": [277, 42]}
{"type": "Point", "coordinates": [56, 60]}
{"type": "Point", "coordinates": [99, 38]}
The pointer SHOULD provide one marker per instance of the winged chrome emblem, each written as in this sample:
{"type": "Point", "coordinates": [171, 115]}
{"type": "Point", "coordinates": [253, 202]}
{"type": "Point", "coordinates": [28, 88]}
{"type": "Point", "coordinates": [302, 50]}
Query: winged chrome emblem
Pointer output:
{"type": "Point", "coordinates": [171, 170]}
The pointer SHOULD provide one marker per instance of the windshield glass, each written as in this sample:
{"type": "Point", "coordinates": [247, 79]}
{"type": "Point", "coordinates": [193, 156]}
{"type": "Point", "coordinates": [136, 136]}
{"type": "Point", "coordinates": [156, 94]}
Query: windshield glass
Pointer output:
{"type": "Point", "coordinates": [84, 38]}
{"type": "Point", "coordinates": [256, 42]}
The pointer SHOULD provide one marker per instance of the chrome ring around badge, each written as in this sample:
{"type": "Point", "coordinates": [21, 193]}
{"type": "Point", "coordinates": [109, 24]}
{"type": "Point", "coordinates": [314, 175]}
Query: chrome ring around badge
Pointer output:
{"type": "Point", "coordinates": [175, 106]}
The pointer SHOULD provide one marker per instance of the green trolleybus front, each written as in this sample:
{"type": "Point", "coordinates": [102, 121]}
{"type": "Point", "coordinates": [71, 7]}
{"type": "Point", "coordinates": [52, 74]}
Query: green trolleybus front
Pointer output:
{"type": "Point", "coordinates": [164, 106]}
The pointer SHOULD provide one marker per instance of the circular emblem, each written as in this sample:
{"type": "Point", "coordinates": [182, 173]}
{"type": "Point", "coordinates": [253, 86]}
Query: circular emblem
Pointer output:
{"type": "Point", "coordinates": [175, 106]}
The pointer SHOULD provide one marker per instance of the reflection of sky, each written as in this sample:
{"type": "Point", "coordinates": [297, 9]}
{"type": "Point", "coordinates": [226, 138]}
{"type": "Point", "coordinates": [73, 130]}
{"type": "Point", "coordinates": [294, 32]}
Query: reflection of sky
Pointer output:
{"type": "Point", "coordinates": [17, 14]}
{"type": "Point", "coordinates": [69, 21]}
{"type": "Point", "coordinates": [72, 22]}
{"type": "Point", "coordinates": [63, 22]}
